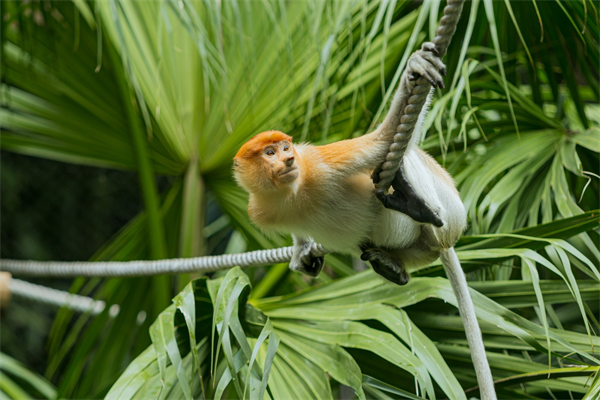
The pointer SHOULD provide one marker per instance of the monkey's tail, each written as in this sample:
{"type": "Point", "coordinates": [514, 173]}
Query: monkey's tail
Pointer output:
{"type": "Point", "coordinates": [466, 308]}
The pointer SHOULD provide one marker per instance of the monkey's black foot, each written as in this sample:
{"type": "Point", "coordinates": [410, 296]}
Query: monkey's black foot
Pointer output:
{"type": "Point", "coordinates": [385, 266]}
{"type": "Point", "coordinates": [427, 63]}
{"type": "Point", "coordinates": [407, 201]}
{"type": "Point", "coordinates": [313, 266]}
{"type": "Point", "coordinates": [303, 261]}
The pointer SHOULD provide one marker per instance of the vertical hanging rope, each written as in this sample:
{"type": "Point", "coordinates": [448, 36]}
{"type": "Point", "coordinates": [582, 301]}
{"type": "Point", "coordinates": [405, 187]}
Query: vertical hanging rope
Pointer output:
{"type": "Point", "coordinates": [420, 89]}
{"type": "Point", "coordinates": [448, 24]}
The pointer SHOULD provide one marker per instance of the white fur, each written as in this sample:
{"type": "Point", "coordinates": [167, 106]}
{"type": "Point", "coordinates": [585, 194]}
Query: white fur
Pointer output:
{"type": "Point", "coordinates": [439, 195]}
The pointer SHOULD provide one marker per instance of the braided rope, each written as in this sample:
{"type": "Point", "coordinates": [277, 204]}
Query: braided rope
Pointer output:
{"type": "Point", "coordinates": [148, 268]}
{"type": "Point", "coordinates": [55, 297]}
{"type": "Point", "coordinates": [419, 90]}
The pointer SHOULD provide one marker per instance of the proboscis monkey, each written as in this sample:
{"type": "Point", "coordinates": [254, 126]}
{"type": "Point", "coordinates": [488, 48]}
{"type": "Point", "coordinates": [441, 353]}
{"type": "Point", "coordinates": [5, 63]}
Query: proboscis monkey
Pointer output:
{"type": "Point", "coordinates": [324, 194]}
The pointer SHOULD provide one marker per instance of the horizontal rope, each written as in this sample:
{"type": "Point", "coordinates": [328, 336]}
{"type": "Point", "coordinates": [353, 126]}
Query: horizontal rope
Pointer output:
{"type": "Point", "coordinates": [69, 269]}
{"type": "Point", "coordinates": [55, 297]}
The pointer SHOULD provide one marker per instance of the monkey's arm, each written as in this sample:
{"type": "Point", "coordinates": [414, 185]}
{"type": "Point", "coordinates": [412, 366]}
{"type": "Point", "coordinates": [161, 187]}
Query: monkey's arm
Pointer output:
{"type": "Point", "coordinates": [347, 157]}
{"type": "Point", "coordinates": [397, 129]}
{"type": "Point", "coordinates": [303, 260]}
{"type": "Point", "coordinates": [426, 64]}
{"type": "Point", "coordinates": [368, 151]}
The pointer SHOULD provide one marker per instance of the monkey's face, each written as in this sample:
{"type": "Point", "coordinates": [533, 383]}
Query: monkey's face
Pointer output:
{"type": "Point", "coordinates": [267, 162]}
{"type": "Point", "coordinates": [280, 159]}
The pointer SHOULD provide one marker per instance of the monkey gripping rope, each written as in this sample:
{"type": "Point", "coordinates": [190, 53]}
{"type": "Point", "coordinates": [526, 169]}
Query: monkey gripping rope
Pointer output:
{"type": "Point", "coordinates": [418, 96]}
{"type": "Point", "coordinates": [410, 114]}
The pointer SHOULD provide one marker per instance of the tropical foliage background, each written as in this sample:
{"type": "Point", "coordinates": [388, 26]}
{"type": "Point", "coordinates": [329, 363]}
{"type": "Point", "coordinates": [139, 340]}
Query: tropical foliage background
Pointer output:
{"type": "Point", "coordinates": [170, 90]}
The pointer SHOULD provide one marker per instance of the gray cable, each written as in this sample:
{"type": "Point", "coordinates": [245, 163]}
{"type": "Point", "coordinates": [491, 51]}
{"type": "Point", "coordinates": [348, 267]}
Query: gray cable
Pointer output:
{"type": "Point", "coordinates": [148, 268]}
{"type": "Point", "coordinates": [55, 297]}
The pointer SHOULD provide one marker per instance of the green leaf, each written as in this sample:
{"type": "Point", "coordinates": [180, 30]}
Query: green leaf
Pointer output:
{"type": "Point", "coordinates": [546, 374]}
{"type": "Point", "coordinates": [136, 374]}
{"type": "Point", "coordinates": [561, 228]}
{"type": "Point", "coordinates": [594, 390]}
{"type": "Point", "coordinates": [589, 139]}
{"type": "Point", "coordinates": [163, 338]}
{"type": "Point", "coordinates": [12, 367]}
{"type": "Point", "coordinates": [332, 359]}
{"type": "Point", "coordinates": [372, 383]}
{"type": "Point", "coordinates": [311, 375]}
{"type": "Point", "coordinates": [357, 335]}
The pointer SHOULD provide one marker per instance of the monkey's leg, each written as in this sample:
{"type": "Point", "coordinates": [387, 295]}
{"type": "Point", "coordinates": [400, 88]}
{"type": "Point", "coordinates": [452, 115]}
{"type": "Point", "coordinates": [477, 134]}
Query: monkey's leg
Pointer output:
{"type": "Point", "coordinates": [302, 258]}
{"type": "Point", "coordinates": [385, 265]}
{"type": "Point", "coordinates": [424, 63]}
{"type": "Point", "coordinates": [406, 200]}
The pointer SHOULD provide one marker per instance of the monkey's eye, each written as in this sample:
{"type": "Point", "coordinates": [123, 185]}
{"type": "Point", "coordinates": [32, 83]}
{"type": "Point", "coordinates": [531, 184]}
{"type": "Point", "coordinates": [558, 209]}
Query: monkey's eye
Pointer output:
{"type": "Point", "coordinates": [270, 152]}
{"type": "Point", "coordinates": [286, 148]}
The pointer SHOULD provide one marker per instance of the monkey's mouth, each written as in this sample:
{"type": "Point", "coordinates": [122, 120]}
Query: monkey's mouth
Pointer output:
{"type": "Point", "coordinates": [288, 171]}
{"type": "Point", "coordinates": [288, 175]}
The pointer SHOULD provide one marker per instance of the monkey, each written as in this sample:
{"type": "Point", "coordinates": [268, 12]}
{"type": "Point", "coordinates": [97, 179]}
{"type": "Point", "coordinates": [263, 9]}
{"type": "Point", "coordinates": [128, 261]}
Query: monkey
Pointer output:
{"type": "Point", "coordinates": [325, 194]}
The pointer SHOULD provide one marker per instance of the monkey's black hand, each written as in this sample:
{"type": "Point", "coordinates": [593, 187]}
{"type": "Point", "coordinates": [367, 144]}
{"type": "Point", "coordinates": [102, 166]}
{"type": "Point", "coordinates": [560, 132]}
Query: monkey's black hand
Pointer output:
{"type": "Point", "coordinates": [427, 63]}
{"type": "Point", "coordinates": [375, 175]}
{"type": "Point", "coordinates": [407, 201]}
{"type": "Point", "coordinates": [304, 261]}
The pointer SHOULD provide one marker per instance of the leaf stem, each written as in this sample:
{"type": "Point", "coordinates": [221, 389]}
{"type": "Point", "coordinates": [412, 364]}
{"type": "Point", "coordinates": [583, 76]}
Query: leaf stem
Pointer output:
{"type": "Point", "coordinates": [158, 248]}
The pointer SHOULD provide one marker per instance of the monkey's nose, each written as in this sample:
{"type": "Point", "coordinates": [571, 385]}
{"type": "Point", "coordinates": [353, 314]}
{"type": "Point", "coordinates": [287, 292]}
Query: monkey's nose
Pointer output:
{"type": "Point", "coordinates": [289, 161]}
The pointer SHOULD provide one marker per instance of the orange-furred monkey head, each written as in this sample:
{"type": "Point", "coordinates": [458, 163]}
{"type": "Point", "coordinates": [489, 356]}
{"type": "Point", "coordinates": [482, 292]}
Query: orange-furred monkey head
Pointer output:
{"type": "Point", "coordinates": [267, 161]}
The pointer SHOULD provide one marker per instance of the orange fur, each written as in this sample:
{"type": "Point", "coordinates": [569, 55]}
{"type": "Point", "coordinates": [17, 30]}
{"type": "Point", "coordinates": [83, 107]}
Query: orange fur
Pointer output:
{"type": "Point", "coordinates": [267, 208]}
{"type": "Point", "coordinates": [255, 145]}
{"type": "Point", "coordinates": [339, 153]}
